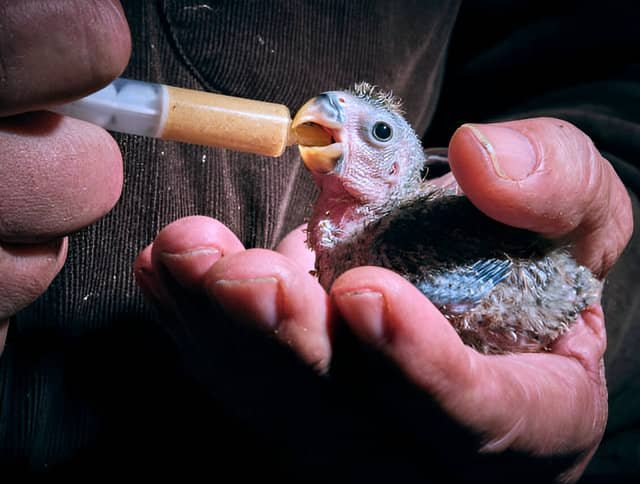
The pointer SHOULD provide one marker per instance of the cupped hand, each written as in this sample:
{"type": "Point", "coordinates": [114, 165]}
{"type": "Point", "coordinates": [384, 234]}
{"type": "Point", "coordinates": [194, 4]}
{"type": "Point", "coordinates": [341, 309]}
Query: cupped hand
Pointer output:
{"type": "Point", "coordinates": [519, 417]}
{"type": "Point", "coordinates": [58, 174]}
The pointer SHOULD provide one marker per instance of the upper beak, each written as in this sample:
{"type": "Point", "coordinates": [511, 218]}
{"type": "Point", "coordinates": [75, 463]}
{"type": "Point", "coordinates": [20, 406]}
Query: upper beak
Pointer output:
{"type": "Point", "coordinates": [317, 125]}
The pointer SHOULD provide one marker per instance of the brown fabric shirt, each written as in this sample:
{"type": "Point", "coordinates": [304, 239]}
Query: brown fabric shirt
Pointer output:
{"type": "Point", "coordinates": [91, 382]}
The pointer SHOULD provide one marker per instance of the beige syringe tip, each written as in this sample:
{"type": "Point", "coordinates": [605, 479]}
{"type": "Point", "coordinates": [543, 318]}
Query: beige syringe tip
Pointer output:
{"type": "Point", "coordinates": [227, 122]}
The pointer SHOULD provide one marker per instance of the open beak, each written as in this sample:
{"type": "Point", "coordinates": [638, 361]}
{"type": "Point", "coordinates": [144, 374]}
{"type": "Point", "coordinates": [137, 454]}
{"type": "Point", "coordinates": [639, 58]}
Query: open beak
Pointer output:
{"type": "Point", "coordinates": [317, 126]}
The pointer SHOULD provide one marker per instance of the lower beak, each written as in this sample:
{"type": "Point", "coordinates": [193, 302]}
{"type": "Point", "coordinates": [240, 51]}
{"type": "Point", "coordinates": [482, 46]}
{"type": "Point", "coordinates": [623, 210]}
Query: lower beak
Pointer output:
{"type": "Point", "coordinates": [316, 125]}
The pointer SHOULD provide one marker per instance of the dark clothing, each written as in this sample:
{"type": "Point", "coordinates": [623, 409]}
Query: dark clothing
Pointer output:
{"type": "Point", "coordinates": [90, 381]}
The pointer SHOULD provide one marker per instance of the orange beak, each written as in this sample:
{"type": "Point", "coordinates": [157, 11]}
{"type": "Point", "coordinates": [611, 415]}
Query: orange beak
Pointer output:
{"type": "Point", "coordinates": [315, 125]}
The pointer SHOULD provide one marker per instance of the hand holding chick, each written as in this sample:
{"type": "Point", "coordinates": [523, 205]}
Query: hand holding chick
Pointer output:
{"type": "Point", "coordinates": [504, 289]}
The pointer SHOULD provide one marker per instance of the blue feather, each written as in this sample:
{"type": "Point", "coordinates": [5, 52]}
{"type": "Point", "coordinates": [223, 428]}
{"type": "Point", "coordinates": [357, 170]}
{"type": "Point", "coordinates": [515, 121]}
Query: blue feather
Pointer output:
{"type": "Point", "coordinates": [461, 288]}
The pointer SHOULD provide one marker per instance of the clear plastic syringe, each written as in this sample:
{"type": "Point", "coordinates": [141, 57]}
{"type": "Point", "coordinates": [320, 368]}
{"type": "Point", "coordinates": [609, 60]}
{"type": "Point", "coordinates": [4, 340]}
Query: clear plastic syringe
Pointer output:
{"type": "Point", "coordinates": [198, 117]}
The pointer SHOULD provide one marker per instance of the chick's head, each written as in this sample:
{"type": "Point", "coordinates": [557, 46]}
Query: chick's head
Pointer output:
{"type": "Point", "coordinates": [358, 143]}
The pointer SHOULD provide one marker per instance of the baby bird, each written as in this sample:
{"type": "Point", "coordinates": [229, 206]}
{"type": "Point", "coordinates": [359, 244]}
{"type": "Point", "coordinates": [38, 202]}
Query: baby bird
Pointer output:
{"type": "Point", "coordinates": [503, 289]}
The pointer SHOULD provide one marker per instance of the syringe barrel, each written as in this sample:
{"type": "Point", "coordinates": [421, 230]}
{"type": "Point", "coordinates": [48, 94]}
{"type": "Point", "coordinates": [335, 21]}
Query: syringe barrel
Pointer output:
{"type": "Point", "coordinates": [227, 122]}
{"type": "Point", "coordinates": [186, 115]}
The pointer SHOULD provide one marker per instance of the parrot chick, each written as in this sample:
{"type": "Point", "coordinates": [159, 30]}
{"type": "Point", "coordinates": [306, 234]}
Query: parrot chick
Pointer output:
{"type": "Point", "coordinates": [503, 289]}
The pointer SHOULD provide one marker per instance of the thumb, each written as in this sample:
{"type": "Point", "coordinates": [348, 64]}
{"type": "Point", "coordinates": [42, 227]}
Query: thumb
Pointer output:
{"type": "Point", "coordinates": [545, 175]}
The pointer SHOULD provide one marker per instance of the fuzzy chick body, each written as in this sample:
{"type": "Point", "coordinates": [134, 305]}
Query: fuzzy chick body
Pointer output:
{"type": "Point", "coordinates": [503, 289]}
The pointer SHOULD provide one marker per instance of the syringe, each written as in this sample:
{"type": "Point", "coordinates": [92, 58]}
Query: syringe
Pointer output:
{"type": "Point", "coordinates": [191, 116]}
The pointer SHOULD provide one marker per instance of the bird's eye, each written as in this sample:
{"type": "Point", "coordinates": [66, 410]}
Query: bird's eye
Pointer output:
{"type": "Point", "coordinates": [382, 131]}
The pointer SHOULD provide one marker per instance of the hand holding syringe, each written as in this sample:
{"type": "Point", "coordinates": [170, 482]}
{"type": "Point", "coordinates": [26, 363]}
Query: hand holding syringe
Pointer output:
{"type": "Point", "coordinates": [173, 113]}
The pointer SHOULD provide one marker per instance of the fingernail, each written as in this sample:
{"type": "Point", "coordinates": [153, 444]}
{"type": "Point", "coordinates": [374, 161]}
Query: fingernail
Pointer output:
{"type": "Point", "coordinates": [190, 266]}
{"type": "Point", "coordinates": [511, 153]}
{"type": "Point", "coordinates": [364, 310]}
{"type": "Point", "coordinates": [253, 301]}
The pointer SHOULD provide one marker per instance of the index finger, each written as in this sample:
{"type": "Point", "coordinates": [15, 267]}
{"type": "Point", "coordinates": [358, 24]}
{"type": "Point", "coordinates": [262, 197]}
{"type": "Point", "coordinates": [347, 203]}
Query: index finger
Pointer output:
{"type": "Point", "coordinates": [57, 50]}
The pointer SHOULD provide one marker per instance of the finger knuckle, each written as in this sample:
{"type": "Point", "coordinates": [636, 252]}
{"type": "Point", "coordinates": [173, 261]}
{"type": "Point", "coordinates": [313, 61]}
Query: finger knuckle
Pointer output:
{"type": "Point", "coordinates": [623, 219]}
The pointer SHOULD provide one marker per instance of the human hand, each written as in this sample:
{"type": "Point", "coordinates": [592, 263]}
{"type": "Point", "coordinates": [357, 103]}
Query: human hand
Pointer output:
{"type": "Point", "coordinates": [497, 418]}
{"type": "Point", "coordinates": [60, 174]}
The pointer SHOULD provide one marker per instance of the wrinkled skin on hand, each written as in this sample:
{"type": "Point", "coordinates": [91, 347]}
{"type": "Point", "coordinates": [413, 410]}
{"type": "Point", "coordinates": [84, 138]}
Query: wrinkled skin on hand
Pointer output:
{"type": "Point", "coordinates": [420, 401]}
{"type": "Point", "coordinates": [65, 174]}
